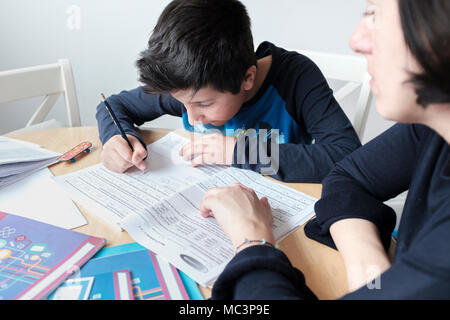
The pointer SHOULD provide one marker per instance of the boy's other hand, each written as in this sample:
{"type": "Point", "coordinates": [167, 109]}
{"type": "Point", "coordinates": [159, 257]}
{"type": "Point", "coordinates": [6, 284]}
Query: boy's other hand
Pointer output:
{"type": "Point", "coordinates": [118, 157]}
{"type": "Point", "coordinates": [209, 149]}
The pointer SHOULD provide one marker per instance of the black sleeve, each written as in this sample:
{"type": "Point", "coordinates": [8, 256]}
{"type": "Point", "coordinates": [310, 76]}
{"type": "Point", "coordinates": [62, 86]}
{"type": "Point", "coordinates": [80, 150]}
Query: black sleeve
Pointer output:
{"type": "Point", "coordinates": [359, 184]}
{"type": "Point", "coordinates": [261, 273]}
{"type": "Point", "coordinates": [134, 107]}
{"type": "Point", "coordinates": [264, 273]}
{"type": "Point", "coordinates": [310, 101]}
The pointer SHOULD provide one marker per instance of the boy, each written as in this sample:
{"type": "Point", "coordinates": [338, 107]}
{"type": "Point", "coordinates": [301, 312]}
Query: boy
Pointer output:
{"type": "Point", "coordinates": [200, 65]}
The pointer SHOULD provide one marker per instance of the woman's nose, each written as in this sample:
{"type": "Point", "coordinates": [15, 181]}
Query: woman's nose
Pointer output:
{"type": "Point", "coordinates": [361, 39]}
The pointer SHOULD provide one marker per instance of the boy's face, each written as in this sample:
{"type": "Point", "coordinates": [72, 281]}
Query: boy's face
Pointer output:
{"type": "Point", "coordinates": [209, 106]}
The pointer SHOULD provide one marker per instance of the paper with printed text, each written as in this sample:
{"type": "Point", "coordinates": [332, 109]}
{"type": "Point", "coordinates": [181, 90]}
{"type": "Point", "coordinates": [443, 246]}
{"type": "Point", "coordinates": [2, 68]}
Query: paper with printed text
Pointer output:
{"type": "Point", "coordinates": [159, 208]}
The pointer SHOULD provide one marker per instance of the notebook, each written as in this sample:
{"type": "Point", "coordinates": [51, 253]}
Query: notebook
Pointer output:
{"type": "Point", "coordinates": [114, 285]}
{"type": "Point", "coordinates": [36, 257]}
{"type": "Point", "coordinates": [152, 278]}
{"type": "Point", "coordinates": [73, 289]}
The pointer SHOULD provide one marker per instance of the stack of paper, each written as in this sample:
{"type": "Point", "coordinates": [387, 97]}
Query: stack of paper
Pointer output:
{"type": "Point", "coordinates": [19, 159]}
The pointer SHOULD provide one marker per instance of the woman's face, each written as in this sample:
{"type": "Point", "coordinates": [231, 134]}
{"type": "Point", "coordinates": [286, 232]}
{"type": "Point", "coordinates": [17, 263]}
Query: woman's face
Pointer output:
{"type": "Point", "coordinates": [379, 37]}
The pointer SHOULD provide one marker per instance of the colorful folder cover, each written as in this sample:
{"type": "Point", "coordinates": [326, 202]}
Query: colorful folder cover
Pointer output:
{"type": "Point", "coordinates": [36, 257]}
{"type": "Point", "coordinates": [152, 278]}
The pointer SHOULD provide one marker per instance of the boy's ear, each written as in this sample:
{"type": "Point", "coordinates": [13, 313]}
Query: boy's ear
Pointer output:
{"type": "Point", "coordinates": [249, 78]}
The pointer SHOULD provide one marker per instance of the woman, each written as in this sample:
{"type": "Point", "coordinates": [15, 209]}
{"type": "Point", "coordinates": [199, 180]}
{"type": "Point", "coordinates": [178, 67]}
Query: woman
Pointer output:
{"type": "Point", "coordinates": [407, 46]}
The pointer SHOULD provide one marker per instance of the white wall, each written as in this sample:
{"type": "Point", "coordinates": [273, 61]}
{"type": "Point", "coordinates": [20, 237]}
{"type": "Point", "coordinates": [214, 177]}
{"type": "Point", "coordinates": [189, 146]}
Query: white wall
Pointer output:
{"type": "Point", "coordinates": [111, 34]}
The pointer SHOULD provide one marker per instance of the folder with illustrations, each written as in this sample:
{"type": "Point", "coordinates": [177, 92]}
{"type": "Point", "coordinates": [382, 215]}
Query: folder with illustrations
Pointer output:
{"type": "Point", "coordinates": [35, 257]}
{"type": "Point", "coordinates": [159, 208]}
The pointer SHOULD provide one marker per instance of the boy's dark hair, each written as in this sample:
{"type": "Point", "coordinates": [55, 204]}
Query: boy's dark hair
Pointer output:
{"type": "Point", "coordinates": [198, 43]}
{"type": "Point", "coordinates": [426, 27]}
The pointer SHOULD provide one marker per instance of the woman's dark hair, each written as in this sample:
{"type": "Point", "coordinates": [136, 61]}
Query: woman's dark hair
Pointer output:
{"type": "Point", "coordinates": [426, 27]}
{"type": "Point", "coordinates": [198, 43]}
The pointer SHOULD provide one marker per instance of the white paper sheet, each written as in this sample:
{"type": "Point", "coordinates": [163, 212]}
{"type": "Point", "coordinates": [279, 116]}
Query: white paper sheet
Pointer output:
{"type": "Point", "coordinates": [14, 151]}
{"type": "Point", "coordinates": [197, 246]}
{"type": "Point", "coordinates": [159, 208]}
{"type": "Point", "coordinates": [40, 198]}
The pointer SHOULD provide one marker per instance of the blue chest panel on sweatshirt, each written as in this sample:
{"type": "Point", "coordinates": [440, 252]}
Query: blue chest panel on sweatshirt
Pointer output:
{"type": "Point", "coordinates": [269, 112]}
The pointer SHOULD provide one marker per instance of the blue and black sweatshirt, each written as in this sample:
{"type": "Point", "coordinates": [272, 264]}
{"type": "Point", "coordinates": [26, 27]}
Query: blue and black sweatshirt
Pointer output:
{"type": "Point", "coordinates": [314, 132]}
{"type": "Point", "coordinates": [405, 157]}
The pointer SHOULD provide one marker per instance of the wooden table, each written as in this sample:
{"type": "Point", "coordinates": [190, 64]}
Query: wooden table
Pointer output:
{"type": "Point", "coordinates": [323, 267]}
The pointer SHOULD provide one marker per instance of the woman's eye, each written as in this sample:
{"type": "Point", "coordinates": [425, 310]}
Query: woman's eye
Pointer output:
{"type": "Point", "coordinates": [372, 14]}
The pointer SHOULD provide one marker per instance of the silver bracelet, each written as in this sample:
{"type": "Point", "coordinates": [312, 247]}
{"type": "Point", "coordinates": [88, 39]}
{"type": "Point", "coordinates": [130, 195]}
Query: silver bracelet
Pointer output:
{"type": "Point", "coordinates": [263, 241]}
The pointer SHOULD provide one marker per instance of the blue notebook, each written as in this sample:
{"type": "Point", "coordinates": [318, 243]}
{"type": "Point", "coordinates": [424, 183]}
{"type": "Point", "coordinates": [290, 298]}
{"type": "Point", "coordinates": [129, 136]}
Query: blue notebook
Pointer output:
{"type": "Point", "coordinates": [114, 285]}
{"type": "Point", "coordinates": [104, 286]}
{"type": "Point", "coordinates": [151, 276]}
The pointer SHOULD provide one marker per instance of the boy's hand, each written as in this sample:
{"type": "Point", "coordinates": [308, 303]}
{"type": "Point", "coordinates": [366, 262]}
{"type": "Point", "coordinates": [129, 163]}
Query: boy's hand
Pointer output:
{"type": "Point", "coordinates": [209, 149]}
{"type": "Point", "coordinates": [118, 157]}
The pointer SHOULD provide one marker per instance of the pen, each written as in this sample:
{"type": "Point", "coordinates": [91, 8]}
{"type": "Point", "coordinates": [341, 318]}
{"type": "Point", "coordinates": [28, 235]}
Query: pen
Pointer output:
{"type": "Point", "coordinates": [116, 121]}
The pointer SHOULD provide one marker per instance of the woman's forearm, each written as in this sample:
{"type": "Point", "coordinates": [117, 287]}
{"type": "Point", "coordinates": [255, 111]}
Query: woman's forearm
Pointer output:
{"type": "Point", "coordinates": [359, 243]}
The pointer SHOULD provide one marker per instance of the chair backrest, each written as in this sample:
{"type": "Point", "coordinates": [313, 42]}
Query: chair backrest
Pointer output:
{"type": "Point", "coordinates": [49, 81]}
{"type": "Point", "coordinates": [351, 69]}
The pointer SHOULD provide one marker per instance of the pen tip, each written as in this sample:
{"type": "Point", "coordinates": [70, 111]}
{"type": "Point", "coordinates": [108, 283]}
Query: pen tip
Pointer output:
{"type": "Point", "coordinates": [103, 96]}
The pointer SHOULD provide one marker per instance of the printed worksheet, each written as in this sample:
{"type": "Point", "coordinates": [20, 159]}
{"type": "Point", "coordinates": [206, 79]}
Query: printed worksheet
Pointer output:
{"type": "Point", "coordinates": [114, 196]}
{"type": "Point", "coordinates": [159, 208]}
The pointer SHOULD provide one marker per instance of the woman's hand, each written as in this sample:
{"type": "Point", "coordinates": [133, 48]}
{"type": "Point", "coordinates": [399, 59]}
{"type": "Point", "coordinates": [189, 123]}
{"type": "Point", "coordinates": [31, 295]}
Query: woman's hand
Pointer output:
{"type": "Point", "coordinates": [240, 214]}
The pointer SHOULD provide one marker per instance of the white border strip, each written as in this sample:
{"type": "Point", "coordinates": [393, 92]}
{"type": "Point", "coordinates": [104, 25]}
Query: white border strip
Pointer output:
{"type": "Point", "coordinates": [122, 280]}
{"type": "Point", "coordinates": [169, 278]}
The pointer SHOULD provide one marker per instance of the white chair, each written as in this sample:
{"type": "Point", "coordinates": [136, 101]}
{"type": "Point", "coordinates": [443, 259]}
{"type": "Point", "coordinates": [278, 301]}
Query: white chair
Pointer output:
{"type": "Point", "coordinates": [49, 81]}
{"type": "Point", "coordinates": [351, 69]}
